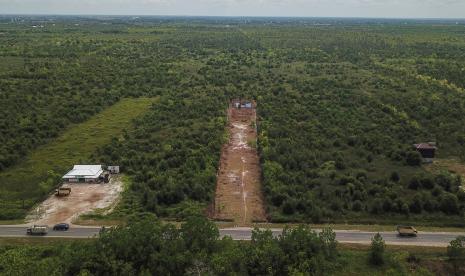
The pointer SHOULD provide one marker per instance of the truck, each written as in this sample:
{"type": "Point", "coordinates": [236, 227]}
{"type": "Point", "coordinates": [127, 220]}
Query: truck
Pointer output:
{"type": "Point", "coordinates": [407, 231]}
{"type": "Point", "coordinates": [63, 191]}
{"type": "Point", "coordinates": [40, 230]}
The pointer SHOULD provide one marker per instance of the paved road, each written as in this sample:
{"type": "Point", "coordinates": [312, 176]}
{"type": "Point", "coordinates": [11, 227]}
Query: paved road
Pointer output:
{"type": "Point", "coordinates": [73, 232]}
{"type": "Point", "coordinates": [361, 237]}
{"type": "Point", "coordinates": [424, 238]}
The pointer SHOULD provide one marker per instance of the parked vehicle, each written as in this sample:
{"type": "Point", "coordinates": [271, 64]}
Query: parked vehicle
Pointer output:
{"type": "Point", "coordinates": [63, 191]}
{"type": "Point", "coordinates": [61, 227]}
{"type": "Point", "coordinates": [407, 231]}
{"type": "Point", "coordinates": [37, 230]}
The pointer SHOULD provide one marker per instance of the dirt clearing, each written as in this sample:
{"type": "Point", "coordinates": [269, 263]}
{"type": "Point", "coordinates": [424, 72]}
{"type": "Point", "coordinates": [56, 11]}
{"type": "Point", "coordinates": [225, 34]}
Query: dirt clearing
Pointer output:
{"type": "Point", "coordinates": [84, 198]}
{"type": "Point", "coordinates": [238, 191]}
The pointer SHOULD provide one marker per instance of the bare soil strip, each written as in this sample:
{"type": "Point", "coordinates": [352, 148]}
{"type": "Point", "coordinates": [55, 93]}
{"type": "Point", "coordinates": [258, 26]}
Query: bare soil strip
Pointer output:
{"type": "Point", "coordinates": [238, 191]}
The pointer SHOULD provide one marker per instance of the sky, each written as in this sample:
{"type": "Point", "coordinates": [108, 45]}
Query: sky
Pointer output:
{"type": "Point", "coordinates": [305, 8]}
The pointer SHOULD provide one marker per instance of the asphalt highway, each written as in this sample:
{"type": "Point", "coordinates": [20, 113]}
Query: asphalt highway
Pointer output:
{"type": "Point", "coordinates": [440, 239]}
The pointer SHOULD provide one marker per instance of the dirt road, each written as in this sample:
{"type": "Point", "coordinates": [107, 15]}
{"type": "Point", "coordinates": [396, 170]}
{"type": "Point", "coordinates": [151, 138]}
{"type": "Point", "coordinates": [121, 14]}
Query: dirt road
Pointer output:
{"type": "Point", "coordinates": [84, 198]}
{"type": "Point", "coordinates": [238, 192]}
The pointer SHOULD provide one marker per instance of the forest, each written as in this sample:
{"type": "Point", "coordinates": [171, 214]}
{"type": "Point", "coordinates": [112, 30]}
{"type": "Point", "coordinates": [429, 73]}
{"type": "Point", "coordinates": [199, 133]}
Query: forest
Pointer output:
{"type": "Point", "coordinates": [340, 104]}
{"type": "Point", "coordinates": [150, 247]}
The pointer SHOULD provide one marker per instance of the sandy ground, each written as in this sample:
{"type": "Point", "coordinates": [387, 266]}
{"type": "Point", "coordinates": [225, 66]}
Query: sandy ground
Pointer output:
{"type": "Point", "coordinates": [238, 192]}
{"type": "Point", "coordinates": [83, 199]}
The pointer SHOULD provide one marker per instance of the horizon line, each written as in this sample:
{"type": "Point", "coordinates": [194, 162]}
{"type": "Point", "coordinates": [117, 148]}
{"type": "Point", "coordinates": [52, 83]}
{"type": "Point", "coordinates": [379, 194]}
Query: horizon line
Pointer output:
{"type": "Point", "coordinates": [232, 16]}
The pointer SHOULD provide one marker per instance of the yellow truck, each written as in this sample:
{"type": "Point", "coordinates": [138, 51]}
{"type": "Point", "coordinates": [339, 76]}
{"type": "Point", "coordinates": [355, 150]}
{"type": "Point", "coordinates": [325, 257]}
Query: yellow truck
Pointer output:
{"type": "Point", "coordinates": [407, 231]}
{"type": "Point", "coordinates": [63, 191]}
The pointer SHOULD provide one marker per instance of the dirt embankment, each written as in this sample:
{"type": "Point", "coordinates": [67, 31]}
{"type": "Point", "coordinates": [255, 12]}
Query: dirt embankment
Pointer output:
{"type": "Point", "coordinates": [238, 192]}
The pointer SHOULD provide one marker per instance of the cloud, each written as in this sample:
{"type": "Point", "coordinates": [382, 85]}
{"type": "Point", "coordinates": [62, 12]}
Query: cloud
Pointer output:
{"type": "Point", "coordinates": [365, 8]}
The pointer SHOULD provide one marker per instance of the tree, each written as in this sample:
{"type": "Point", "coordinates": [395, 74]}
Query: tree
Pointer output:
{"type": "Point", "coordinates": [377, 250]}
{"type": "Point", "coordinates": [449, 203]}
{"type": "Point", "coordinates": [416, 205]}
{"type": "Point", "coordinates": [52, 180]}
{"type": "Point", "coordinates": [413, 158]}
{"type": "Point", "coordinates": [199, 234]}
{"type": "Point", "coordinates": [456, 254]}
{"type": "Point", "coordinates": [265, 256]}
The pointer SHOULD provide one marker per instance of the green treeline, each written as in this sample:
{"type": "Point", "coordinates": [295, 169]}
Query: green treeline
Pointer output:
{"type": "Point", "coordinates": [339, 105]}
{"type": "Point", "coordinates": [150, 247]}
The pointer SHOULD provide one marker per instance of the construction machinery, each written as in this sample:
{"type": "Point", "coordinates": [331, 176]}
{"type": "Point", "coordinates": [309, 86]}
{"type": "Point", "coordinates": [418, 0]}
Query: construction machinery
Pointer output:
{"type": "Point", "coordinates": [407, 231]}
{"type": "Point", "coordinates": [63, 191]}
{"type": "Point", "coordinates": [40, 230]}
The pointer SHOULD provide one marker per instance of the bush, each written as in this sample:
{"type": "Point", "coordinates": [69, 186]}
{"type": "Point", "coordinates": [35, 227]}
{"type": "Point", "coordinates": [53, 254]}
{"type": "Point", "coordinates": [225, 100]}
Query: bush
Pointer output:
{"type": "Point", "coordinates": [427, 183]}
{"type": "Point", "coordinates": [357, 206]}
{"type": "Point", "coordinates": [414, 183]}
{"type": "Point", "coordinates": [377, 250]}
{"type": "Point", "coordinates": [449, 204]}
{"type": "Point", "coordinates": [413, 158]}
{"type": "Point", "coordinates": [395, 177]}
{"type": "Point", "coordinates": [416, 205]}
{"type": "Point", "coordinates": [456, 254]}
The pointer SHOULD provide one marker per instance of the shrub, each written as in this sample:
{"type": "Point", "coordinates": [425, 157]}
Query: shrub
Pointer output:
{"type": "Point", "coordinates": [449, 204]}
{"type": "Point", "coordinates": [413, 158]}
{"type": "Point", "coordinates": [395, 177]}
{"type": "Point", "coordinates": [456, 253]}
{"type": "Point", "coordinates": [427, 183]}
{"type": "Point", "coordinates": [357, 206]}
{"type": "Point", "coordinates": [414, 183]}
{"type": "Point", "coordinates": [377, 206]}
{"type": "Point", "coordinates": [377, 250]}
{"type": "Point", "coordinates": [416, 205]}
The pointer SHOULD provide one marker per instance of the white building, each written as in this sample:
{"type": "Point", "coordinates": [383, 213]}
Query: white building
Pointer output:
{"type": "Point", "coordinates": [84, 173]}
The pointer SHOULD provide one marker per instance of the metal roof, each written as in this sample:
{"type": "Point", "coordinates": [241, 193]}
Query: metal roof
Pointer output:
{"type": "Point", "coordinates": [424, 146]}
{"type": "Point", "coordinates": [84, 171]}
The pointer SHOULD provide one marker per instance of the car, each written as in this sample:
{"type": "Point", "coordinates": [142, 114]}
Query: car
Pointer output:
{"type": "Point", "coordinates": [61, 227]}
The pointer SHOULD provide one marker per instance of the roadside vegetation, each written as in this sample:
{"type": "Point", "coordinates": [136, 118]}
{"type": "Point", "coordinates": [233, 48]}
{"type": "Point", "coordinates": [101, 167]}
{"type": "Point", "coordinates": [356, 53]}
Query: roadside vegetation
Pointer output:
{"type": "Point", "coordinates": [150, 247]}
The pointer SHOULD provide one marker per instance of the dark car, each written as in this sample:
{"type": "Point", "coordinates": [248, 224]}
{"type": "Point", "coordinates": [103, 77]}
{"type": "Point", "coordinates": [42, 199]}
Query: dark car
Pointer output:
{"type": "Point", "coordinates": [61, 227]}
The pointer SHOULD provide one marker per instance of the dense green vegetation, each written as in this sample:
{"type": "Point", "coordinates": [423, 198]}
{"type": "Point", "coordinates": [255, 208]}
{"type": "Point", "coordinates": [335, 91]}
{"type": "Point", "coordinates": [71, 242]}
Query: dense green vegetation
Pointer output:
{"type": "Point", "coordinates": [340, 104]}
{"type": "Point", "coordinates": [336, 135]}
{"type": "Point", "coordinates": [32, 180]}
{"type": "Point", "coordinates": [149, 247]}
{"type": "Point", "coordinates": [172, 154]}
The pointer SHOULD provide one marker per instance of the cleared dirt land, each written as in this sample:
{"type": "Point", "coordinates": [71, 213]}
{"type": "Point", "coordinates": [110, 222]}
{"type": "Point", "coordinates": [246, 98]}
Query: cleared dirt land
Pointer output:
{"type": "Point", "coordinates": [238, 192]}
{"type": "Point", "coordinates": [84, 198]}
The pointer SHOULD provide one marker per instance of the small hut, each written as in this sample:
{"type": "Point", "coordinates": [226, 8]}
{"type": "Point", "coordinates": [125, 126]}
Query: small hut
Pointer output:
{"type": "Point", "coordinates": [427, 151]}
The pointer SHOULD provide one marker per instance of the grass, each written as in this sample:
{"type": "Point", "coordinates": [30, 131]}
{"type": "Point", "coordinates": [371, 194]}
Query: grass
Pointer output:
{"type": "Point", "coordinates": [20, 188]}
{"type": "Point", "coordinates": [16, 241]}
{"type": "Point", "coordinates": [447, 165]}
{"type": "Point", "coordinates": [354, 259]}
{"type": "Point", "coordinates": [12, 221]}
